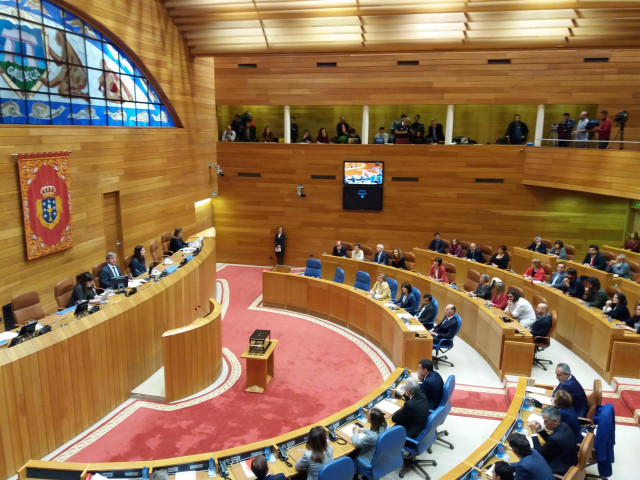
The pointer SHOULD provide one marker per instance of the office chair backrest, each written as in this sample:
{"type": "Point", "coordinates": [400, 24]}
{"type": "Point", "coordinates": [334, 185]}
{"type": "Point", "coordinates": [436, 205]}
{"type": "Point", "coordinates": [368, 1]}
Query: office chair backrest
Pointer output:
{"type": "Point", "coordinates": [314, 268]}
{"type": "Point", "coordinates": [435, 307]}
{"type": "Point", "coordinates": [574, 473]}
{"type": "Point", "coordinates": [608, 255]}
{"type": "Point", "coordinates": [537, 299]}
{"type": "Point", "coordinates": [165, 239]}
{"type": "Point", "coordinates": [393, 286]}
{"type": "Point", "coordinates": [127, 263]}
{"type": "Point", "coordinates": [547, 271]}
{"type": "Point", "coordinates": [26, 307]}
{"type": "Point", "coordinates": [340, 469]}
{"type": "Point", "coordinates": [409, 260]}
{"type": "Point", "coordinates": [96, 274]}
{"type": "Point", "coordinates": [571, 251]}
{"type": "Point", "coordinates": [338, 277]}
{"type": "Point", "coordinates": [447, 392]}
{"type": "Point", "coordinates": [634, 269]}
{"type": "Point", "coordinates": [594, 400]}
{"type": "Point", "coordinates": [363, 281]}
{"type": "Point", "coordinates": [547, 243]}
{"type": "Point", "coordinates": [62, 291]}
{"type": "Point", "coordinates": [450, 268]}
{"type": "Point", "coordinates": [487, 251]}
{"type": "Point", "coordinates": [368, 253]}
{"type": "Point", "coordinates": [388, 454]}
{"type": "Point", "coordinates": [156, 253]}
{"type": "Point", "coordinates": [417, 295]}
{"type": "Point", "coordinates": [427, 436]}
{"type": "Point", "coordinates": [586, 448]}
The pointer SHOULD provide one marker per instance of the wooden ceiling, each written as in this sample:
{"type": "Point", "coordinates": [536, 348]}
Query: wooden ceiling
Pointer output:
{"type": "Point", "coordinates": [218, 27]}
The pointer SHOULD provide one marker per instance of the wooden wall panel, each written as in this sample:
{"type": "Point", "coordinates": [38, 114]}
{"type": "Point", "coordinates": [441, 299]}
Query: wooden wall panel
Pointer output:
{"type": "Point", "coordinates": [535, 76]}
{"type": "Point", "coordinates": [446, 198]}
{"type": "Point", "coordinates": [158, 172]}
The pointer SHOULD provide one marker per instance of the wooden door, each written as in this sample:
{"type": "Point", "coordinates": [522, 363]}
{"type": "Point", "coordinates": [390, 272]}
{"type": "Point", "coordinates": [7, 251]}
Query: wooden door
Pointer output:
{"type": "Point", "coordinates": [113, 225]}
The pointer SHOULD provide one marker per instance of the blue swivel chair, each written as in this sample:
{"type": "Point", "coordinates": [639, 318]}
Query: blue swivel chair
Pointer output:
{"type": "Point", "coordinates": [340, 469]}
{"type": "Point", "coordinates": [313, 269]}
{"type": "Point", "coordinates": [418, 297]}
{"type": "Point", "coordinates": [363, 281]}
{"type": "Point", "coordinates": [449, 387]}
{"type": "Point", "coordinates": [339, 276]}
{"type": "Point", "coordinates": [444, 345]}
{"type": "Point", "coordinates": [429, 325]}
{"type": "Point", "coordinates": [415, 446]}
{"type": "Point", "coordinates": [393, 286]}
{"type": "Point", "coordinates": [387, 456]}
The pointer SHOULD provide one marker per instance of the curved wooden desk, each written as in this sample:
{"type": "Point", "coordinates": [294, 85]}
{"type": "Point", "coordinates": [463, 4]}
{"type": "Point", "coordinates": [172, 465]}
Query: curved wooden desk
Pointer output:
{"type": "Point", "coordinates": [350, 308]}
{"type": "Point", "coordinates": [505, 346]}
{"type": "Point", "coordinates": [55, 386]}
{"type": "Point", "coordinates": [193, 355]}
{"type": "Point", "coordinates": [584, 330]}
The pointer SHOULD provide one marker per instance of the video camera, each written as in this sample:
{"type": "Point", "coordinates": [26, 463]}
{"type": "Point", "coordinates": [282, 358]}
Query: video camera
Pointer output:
{"type": "Point", "coordinates": [591, 124]}
{"type": "Point", "coordinates": [622, 117]}
{"type": "Point", "coordinates": [246, 117]}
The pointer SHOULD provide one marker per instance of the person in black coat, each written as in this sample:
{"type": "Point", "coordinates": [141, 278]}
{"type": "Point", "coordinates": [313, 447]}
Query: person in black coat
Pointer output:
{"type": "Point", "coordinates": [339, 250]}
{"type": "Point", "coordinates": [571, 384]}
{"type": "Point", "coordinates": [381, 256]}
{"type": "Point", "coordinates": [406, 299]}
{"type": "Point", "coordinates": [414, 414]}
{"type": "Point", "coordinates": [542, 324]}
{"type": "Point", "coordinates": [431, 383]}
{"type": "Point", "coordinates": [435, 133]}
{"type": "Point", "coordinates": [448, 327]}
{"type": "Point", "coordinates": [83, 291]}
{"type": "Point", "coordinates": [560, 449]}
{"type": "Point", "coordinates": [537, 246]}
{"type": "Point", "coordinates": [436, 244]}
{"type": "Point", "coordinates": [138, 265]}
{"type": "Point", "coordinates": [426, 311]}
{"type": "Point", "coordinates": [474, 254]}
{"type": "Point", "coordinates": [594, 258]}
{"type": "Point", "coordinates": [176, 242]}
{"type": "Point", "coordinates": [279, 245]}
{"type": "Point", "coordinates": [517, 131]}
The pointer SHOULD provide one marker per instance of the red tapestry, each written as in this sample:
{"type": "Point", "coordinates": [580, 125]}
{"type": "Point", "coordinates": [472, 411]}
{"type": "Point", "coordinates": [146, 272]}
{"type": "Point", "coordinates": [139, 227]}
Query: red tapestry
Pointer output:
{"type": "Point", "coordinates": [46, 202]}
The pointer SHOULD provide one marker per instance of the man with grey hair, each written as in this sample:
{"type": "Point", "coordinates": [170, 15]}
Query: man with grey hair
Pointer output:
{"type": "Point", "coordinates": [619, 267]}
{"type": "Point", "coordinates": [381, 290]}
{"type": "Point", "coordinates": [483, 290]}
{"type": "Point", "coordinates": [570, 383]}
{"type": "Point", "coordinates": [415, 412]}
{"type": "Point", "coordinates": [560, 449]}
{"type": "Point", "coordinates": [110, 270]}
{"type": "Point", "coordinates": [537, 246]}
{"type": "Point", "coordinates": [161, 474]}
{"type": "Point", "coordinates": [381, 256]}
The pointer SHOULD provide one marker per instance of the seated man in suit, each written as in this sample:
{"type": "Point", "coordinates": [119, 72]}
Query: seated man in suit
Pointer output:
{"type": "Point", "coordinates": [414, 414]}
{"type": "Point", "coordinates": [431, 383]}
{"type": "Point", "coordinates": [560, 449]}
{"type": "Point", "coordinates": [339, 250]}
{"type": "Point", "coordinates": [435, 133]}
{"type": "Point", "coordinates": [381, 256]}
{"type": "Point", "coordinates": [531, 465]}
{"type": "Point", "coordinates": [447, 327]}
{"type": "Point", "coordinates": [474, 254]}
{"type": "Point", "coordinates": [503, 471]}
{"type": "Point", "coordinates": [260, 469]}
{"type": "Point", "coordinates": [594, 258]}
{"type": "Point", "coordinates": [381, 290]}
{"type": "Point", "coordinates": [557, 279]}
{"type": "Point", "coordinates": [572, 285]}
{"type": "Point", "coordinates": [542, 324]}
{"type": "Point", "coordinates": [426, 311]}
{"type": "Point", "coordinates": [436, 244]}
{"type": "Point", "coordinates": [537, 246]}
{"type": "Point", "coordinates": [569, 383]}
{"type": "Point", "coordinates": [110, 270]}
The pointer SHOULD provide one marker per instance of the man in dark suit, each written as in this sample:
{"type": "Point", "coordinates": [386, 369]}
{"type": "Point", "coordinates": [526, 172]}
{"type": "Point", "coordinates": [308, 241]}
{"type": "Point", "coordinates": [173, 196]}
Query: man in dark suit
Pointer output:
{"type": "Point", "coordinates": [260, 469]}
{"type": "Point", "coordinates": [381, 256]}
{"type": "Point", "coordinates": [542, 324]}
{"type": "Point", "coordinates": [531, 464]}
{"type": "Point", "coordinates": [339, 250]}
{"type": "Point", "coordinates": [415, 412]}
{"type": "Point", "coordinates": [426, 311]}
{"type": "Point", "coordinates": [572, 285]}
{"type": "Point", "coordinates": [569, 383]}
{"type": "Point", "coordinates": [474, 254]}
{"type": "Point", "coordinates": [517, 131]}
{"type": "Point", "coordinates": [594, 258]}
{"type": "Point", "coordinates": [109, 271]}
{"type": "Point", "coordinates": [435, 132]}
{"type": "Point", "coordinates": [432, 385]}
{"type": "Point", "coordinates": [447, 327]}
{"type": "Point", "coordinates": [560, 449]}
{"type": "Point", "coordinates": [436, 244]}
{"type": "Point", "coordinates": [537, 246]}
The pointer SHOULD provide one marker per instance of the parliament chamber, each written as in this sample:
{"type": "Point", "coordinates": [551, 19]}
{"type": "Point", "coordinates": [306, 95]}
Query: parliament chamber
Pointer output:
{"type": "Point", "coordinates": [127, 185]}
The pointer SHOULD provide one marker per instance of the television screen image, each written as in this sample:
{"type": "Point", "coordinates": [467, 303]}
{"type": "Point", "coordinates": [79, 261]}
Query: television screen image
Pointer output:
{"type": "Point", "coordinates": [363, 173]}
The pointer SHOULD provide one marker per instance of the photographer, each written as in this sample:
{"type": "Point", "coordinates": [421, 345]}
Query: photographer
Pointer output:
{"type": "Point", "coordinates": [565, 127]}
{"type": "Point", "coordinates": [581, 132]}
{"type": "Point", "coordinates": [247, 128]}
{"type": "Point", "coordinates": [604, 130]}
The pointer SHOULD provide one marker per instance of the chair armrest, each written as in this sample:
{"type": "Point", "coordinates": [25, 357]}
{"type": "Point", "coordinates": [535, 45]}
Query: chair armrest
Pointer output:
{"type": "Point", "coordinates": [546, 340]}
{"type": "Point", "coordinates": [414, 442]}
{"type": "Point", "coordinates": [364, 463]}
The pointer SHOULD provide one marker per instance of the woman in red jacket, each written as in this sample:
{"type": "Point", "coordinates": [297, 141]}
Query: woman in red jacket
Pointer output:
{"type": "Point", "coordinates": [535, 271]}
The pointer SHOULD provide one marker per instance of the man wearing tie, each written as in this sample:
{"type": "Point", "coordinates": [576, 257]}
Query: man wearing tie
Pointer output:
{"type": "Point", "coordinates": [381, 256]}
{"type": "Point", "coordinates": [109, 271]}
{"type": "Point", "coordinates": [436, 244]}
{"type": "Point", "coordinates": [447, 327]}
{"type": "Point", "coordinates": [595, 259]}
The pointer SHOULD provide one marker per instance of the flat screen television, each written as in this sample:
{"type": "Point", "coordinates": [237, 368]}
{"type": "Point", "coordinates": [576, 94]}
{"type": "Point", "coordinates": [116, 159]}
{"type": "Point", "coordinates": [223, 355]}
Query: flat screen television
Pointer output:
{"type": "Point", "coordinates": [363, 173]}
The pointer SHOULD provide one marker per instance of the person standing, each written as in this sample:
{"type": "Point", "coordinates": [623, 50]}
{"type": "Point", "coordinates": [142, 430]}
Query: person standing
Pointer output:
{"type": "Point", "coordinates": [517, 131]}
{"type": "Point", "coordinates": [279, 245]}
{"type": "Point", "coordinates": [565, 127]}
{"type": "Point", "coordinates": [581, 133]}
{"type": "Point", "coordinates": [604, 130]}
{"type": "Point", "coordinates": [294, 130]}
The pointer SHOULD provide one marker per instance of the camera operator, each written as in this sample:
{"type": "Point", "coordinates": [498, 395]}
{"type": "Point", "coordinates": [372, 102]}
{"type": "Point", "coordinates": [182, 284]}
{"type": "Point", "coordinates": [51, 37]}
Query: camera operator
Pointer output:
{"type": "Point", "coordinates": [581, 132]}
{"type": "Point", "coordinates": [565, 127]}
{"type": "Point", "coordinates": [247, 128]}
{"type": "Point", "coordinates": [604, 130]}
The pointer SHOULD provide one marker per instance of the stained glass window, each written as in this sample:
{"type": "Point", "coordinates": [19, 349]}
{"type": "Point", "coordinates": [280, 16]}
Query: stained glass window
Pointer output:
{"type": "Point", "coordinates": [55, 69]}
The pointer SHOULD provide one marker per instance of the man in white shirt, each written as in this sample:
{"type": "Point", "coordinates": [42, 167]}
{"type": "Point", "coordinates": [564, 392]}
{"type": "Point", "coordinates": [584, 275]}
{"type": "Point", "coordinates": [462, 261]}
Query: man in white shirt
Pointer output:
{"type": "Point", "coordinates": [581, 133]}
{"type": "Point", "coordinates": [228, 135]}
{"type": "Point", "coordinates": [520, 309]}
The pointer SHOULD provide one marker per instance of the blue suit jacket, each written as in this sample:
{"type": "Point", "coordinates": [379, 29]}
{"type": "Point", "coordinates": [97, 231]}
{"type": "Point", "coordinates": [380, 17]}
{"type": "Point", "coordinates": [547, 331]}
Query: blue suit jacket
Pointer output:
{"type": "Point", "coordinates": [557, 279]}
{"type": "Point", "coordinates": [106, 275]}
{"type": "Point", "coordinates": [433, 387]}
{"type": "Point", "coordinates": [476, 256]}
{"type": "Point", "coordinates": [572, 386]}
{"type": "Point", "coordinates": [542, 248]}
{"type": "Point", "coordinates": [381, 258]}
{"type": "Point", "coordinates": [533, 467]}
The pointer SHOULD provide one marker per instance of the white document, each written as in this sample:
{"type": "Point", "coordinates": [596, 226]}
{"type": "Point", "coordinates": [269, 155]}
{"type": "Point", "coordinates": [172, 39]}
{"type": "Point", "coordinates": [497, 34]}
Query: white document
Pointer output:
{"type": "Point", "coordinates": [387, 406]}
{"type": "Point", "coordinates": [539, 390]}
{"type": "Point", "coordinates": [416, 328]}
{"type": "Point", "coordinates": [405, 316]}
{"type": "Point", "coordinates": [8, 335]}
{"type": "Point", "coordinates": [167, 261]}
{"type": "Point", "coordinates": [543, 399]}
{"type": "Point", "coordinates": [348, 430]}
{"type": "Point", "coordinates": [191, 475]}
{"type": "Point", "coordinates": [245, 469]}
{"type": "Point", "coordinates": [534, 417]}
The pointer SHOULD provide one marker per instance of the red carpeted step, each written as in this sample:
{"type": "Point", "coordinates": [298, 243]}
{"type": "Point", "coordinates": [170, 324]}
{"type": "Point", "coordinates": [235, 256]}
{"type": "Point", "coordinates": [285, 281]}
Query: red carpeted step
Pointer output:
{"type": "Point", "coordinates": [631, 399]}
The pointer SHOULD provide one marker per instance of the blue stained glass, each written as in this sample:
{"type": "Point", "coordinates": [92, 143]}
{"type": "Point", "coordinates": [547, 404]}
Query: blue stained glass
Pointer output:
{"type": "Point", "coordinates": [59, 70]}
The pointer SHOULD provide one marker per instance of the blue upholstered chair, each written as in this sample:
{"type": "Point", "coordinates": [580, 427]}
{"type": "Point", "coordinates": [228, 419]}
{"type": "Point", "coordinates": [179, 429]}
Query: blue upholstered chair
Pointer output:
{"type": "Point", "coordinates": [416, 446]}
{"type": "Point", "coordinates": [339, 275]}
{"type": "Point", "coordinates": [387, 456]}
{"type": "Point", "coordinates": [313, 269]}
{"type": "Point", "coordinates": [418, 297]}
{"type": "Point", "coordinates": [449, 387]}
{"type": "Point", "coordinates": [340, 469]}
{"type": "Point", "coordinates": [393, 286]}
{"type": "Point", "coordinates": [444, 345]}
{"type": "Point", "coordinates": [363, 281]}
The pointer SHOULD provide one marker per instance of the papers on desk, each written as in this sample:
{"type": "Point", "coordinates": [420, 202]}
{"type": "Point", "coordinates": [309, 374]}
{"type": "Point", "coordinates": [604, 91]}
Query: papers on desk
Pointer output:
{"type": "Point", "coordinates": [539, 390]}
{"type": "Point", "coordinates": [543, 399]}
{"type": "Point", "coordinates": [246, 469]}
{"type": "Point", "coordinates": [405, 316]}
{"type": "Point", "coordinates": [534, 417]}
{"type": "Point", "coordinates": [416, 328]}
{"type": "Point", "coordinates": [136, 282]}
{"type": "Point", "coordinates": [155, 273]}
{"type": "Point", "coordinates": [8, 335]}
{"type": "Point", "coordinates": [387, 406]}
{"type": "Point", "coordinates": [348, 431]}
{"type": "Point", "coordinates": [167, 261]}
{"type": "Point", "coordinates": [186, 475]}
